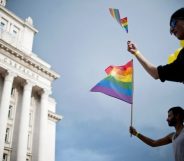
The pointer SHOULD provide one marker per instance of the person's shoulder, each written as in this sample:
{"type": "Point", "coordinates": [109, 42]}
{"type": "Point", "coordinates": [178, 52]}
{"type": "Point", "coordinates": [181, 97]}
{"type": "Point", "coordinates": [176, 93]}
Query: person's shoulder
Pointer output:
{"type": "Point", "coordinates": [180, 57]}
{"type": "Point", "coordinates": [182, 51]}
{"type": "Point", "coordinates": [171, 135]}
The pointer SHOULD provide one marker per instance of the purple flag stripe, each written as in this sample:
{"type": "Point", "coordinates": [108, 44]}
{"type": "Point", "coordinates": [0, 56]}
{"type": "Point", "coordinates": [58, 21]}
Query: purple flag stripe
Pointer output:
{"type": "Point", "coordinates": [111, 92]}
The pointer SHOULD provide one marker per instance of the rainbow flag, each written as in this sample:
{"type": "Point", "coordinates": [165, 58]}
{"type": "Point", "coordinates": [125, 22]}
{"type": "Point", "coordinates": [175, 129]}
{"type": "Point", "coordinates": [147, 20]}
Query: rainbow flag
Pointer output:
{"type": "Point", "coordinates": [115, 14]}
{"type": "Point", "coordinates": [118, 83]}
{"type": "Point", "coordinates": [122, 21]}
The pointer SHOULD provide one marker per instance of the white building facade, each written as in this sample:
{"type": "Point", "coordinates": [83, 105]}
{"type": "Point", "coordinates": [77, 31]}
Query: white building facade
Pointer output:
{"type": "Point", "coordinates": [27, 112]}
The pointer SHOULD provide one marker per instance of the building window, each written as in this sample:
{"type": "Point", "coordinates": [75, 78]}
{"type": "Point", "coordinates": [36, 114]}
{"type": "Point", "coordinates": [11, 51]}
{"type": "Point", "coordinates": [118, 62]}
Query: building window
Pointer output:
{"type": "Point", "coordinates": [14, 31]}
{"type": "Point", "coordinates": [10, 112]}
{"type": "Point", "coordinates": [30, 118]}
{"type": "Point", "coordinates": [5, 157]}
{"type": "Point", "coordinates": [7, 135]}
{"type": "Point", "coordinates": [29, 142]}
{"type": "Point", "coordinates": [3, 24]}
{"type": "Point", "coordinates": [12, 91]}
{"type": "Point", "coordinates": [27, 159]}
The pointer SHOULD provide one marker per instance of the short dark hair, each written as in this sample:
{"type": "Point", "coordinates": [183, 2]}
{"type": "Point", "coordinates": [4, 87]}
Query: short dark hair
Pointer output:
{"type": "Point", "coordinates": [179, 14]}
{"type": "Point", "coordinates": [178, 111]}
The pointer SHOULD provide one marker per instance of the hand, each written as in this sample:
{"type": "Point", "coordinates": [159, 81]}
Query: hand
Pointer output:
{"type": "Point", "coordinates": [131, 47]}
{"type": "Point", "coordinates": [132, 130]}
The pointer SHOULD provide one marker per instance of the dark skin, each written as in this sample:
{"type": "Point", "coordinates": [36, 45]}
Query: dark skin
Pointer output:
{"type": "Point", "coordinates": [172, 121]}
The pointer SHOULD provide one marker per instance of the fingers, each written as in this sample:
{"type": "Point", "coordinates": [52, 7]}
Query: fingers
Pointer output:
{"type": "Point", "coordinates": [131, 47]}
{"type": "Point", "coordinates": [128, 42]}
{"type": "Point", "coordinates": [132, 130]}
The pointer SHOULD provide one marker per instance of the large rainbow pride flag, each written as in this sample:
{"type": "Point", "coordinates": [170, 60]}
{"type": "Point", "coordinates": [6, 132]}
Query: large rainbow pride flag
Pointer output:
{"type": "Point", "coordinates": [118, 83]}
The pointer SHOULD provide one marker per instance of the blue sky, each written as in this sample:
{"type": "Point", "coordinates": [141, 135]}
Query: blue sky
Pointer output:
{"type": "Point", "coordinates": [79, 38]}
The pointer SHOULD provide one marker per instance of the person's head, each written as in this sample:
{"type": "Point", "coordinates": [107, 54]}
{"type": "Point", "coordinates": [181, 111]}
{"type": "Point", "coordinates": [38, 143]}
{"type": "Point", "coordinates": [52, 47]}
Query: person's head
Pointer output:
{"type": "Point", "coordinates": [177, 24]}
{"type": "Point", "coordinates": [175, 116]}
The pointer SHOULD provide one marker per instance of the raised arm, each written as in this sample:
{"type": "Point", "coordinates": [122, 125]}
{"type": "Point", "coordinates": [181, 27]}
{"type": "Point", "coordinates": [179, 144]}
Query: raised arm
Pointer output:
{"type": "Point", "coordinates": [151, 69]}
{"type": "Point", "coordinates": [154, 143]}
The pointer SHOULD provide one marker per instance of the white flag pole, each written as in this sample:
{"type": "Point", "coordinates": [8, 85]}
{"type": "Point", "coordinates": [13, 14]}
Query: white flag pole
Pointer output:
{"type": "Point", "coordinates": [131, 120]}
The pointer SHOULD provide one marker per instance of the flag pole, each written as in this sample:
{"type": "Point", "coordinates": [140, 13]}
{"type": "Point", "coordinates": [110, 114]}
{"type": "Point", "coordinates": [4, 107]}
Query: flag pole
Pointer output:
{"type": "Point", "coordinates": [131, 119]}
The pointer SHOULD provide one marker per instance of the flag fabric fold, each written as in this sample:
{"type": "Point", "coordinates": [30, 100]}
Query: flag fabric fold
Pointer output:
{"type": "Point", "coordinates": [118, 83]}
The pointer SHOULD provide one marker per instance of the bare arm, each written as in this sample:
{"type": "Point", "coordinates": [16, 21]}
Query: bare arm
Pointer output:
{"type": "Point", "coordinates": [154, 143]}
{"type": "Point", "coordinates": [151, 69]}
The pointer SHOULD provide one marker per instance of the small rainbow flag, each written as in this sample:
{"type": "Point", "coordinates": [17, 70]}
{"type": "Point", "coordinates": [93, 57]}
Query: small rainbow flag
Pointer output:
{"type": "Point", "coordinates": [118, 83]}
{"type": "Point", "coordinates": [122, 21]}
{"type": "Point", "coordinates": [115, 14]}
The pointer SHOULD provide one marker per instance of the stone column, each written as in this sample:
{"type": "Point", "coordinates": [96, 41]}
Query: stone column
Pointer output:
{"type": "Point", "coordinates": [4, 107]}
{"type": "Point", "coordinates": [24, 123]}
{"type": "Point", "coordinates": [43, 134]}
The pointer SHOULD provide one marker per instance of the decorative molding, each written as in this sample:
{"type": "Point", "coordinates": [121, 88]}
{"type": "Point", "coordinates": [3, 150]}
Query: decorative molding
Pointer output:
{"type": "Point", "coordinates": [10, 76]}
{"type": "Point", "coordinates": [25, 23]}
{"type": "Point", "coordinates": [54, 117]}
{"type": "Point", "coordinates": [25, 60]}
{"type": "Point", "coordinates": [3, 3]}
{"type": "Point", "coordinates": [7, 148]}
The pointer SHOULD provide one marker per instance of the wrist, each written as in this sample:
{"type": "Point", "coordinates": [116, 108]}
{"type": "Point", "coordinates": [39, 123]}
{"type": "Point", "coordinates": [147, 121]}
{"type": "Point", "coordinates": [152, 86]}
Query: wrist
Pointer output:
{"type": "Point", "coordinates": [137, 134]}
{"type": "Point", "coordinates": [136, 53]}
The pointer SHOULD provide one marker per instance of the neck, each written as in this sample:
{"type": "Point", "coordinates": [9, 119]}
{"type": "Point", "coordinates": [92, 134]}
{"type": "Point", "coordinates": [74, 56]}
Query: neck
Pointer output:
{"type": "Point", "coordinates": [178, 128]}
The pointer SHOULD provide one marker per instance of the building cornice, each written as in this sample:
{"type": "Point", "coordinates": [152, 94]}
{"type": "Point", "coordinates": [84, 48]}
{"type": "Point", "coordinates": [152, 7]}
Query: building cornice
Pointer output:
{"type": "Point", "coordinates": [18, 19]}
{"type": "Point", "coordinates": [25, 60]}
{"type": "Point", "coordinates": [54, 117]}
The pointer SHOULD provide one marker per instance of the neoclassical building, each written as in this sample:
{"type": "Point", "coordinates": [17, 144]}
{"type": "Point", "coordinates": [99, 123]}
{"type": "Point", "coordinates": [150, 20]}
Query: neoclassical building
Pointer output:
{"type": "Point", "coordinates": [27, 111]}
